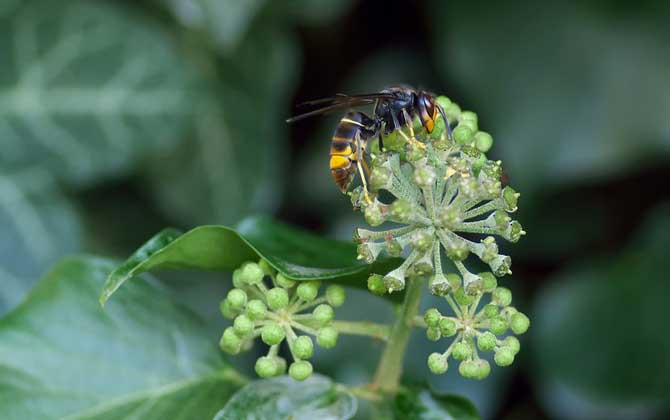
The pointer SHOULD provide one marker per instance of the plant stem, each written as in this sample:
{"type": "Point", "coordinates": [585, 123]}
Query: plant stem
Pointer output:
{"type": "Point", "coordinates": [370, 329]}
{"type": "Point", "coordinates": [389, 369]}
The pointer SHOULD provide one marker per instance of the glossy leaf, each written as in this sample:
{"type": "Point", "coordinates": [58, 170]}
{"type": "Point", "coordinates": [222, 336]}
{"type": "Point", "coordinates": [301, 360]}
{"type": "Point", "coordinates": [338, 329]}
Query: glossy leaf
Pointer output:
{"type": "Point", "coordinates": [597, 332]}
{"type": "Point", "coordinates": [421, 404]}
{"type": "Point", "coordinates": [297, 254]}
{"type": "Point", "coordinates": [63, 357]}
{"type": "Point", "coordinates": [286, 399]}
{"type": "Point", "coordinates": [38, 226]}
{"type": "Point", "coordinates": [87, 89]}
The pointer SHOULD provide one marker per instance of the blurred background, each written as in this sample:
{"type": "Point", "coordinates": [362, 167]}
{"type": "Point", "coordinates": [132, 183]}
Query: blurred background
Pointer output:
{"type": "Point", "coordinates": [118, 118]}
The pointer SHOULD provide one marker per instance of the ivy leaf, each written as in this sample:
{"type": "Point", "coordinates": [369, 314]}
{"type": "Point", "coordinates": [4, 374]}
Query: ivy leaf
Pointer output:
{"type": "Point", "coordinates": [63, 357]}
{"type": "Point", "coordinates": [87, 89]}
{"type": "Point", "coordinates": [297, 254]}
{"type": "Point", "coordinates": [286, 399]}
{"type": "Point", "coordinates": [416, 403]}
{"type": "Point", "coordinates": [39, 226]}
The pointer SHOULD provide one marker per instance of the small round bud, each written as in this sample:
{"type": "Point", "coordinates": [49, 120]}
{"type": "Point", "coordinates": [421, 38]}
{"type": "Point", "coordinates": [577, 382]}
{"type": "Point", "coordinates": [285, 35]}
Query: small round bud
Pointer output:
{"type": "Point", "coordinates": [483, 369]}
{"type": "Point", "coordinates": [432, 317]}
{"type": "Point", "coordinates": [303, 348]}
{"type": "Point", "coordinates": [439, 285]}
{"type": "Point", "coordinates": [486, 341]}
{"type": "Point", "coordinates": [511, 198]}
{"type": "Point", "coordinates": [468, 369]}
{"type": "Point", "coordinates": [454, 280]}
{"type": "Point", "coordinates": [307, 290]}
{"type": "Point", "coordinates": [281, 365]}
{"type": "Point", "coordinates": [237, 298]}
{"type": "Point", "coordinates": [498, 325]}
{"type": "Point", "coordinates": [277, 298]}
{"type": "Point", "coordinates": [463, 134]}
{"type": "Point", "coordinates": [483, 141]}
{"type": "Point", "coordinates": [443, 101]}
{"type": "Point", "coordinates": [433, 333]}
{"type": "Point", "coordinates": [502, 296]}
{"type": "Point", "coordinates": [323, 314]}
{"type": "Point", "coordinates": [379, 178]}
{"type": "Point", "coordinates": [501, 265]}
{"type": "Point", "coordinates": [490, 251]}
{"type": "Point", "coordinates": [449, 217]}
{"type": "Point", "coordinates": [519, 323]}
{"type": "Point", "coordinates": [376, 284]}
{"type": "Point", "coordinates": [393, 247]}
{"type": "Point", "coordinates": [327, 337]}
{"type": "Point", "coordinates": [226, 310]}
{"type": "Point", "coordinates": [504, 356]}
{"type": "Point", "coordinates": [335, 295]}
{"type": "Point", "coordinates": [373, 214]}
{"type": "Point", "coordinates": [283, 281]}
{"type": "Point", "coordinates": [501, 219]}
{"type": "Point", "coordinates": [452, 111]}
{"type": "Point", "coordinates": [468, 116]}
{"type": "Point", "coordinates": [395, 280]}
{"type": "Point", "coordinates": [461, 350]}
{"type": "Point", "coordinates": [473, 284]}
{"type": "Point", "coordinates": [457, 250]}
{"type": "Point", "coordinates": [490, 282]}
{"type": "Point", "coordinates": [447, 326]}
{"type": "Point", "coordinates": [243, 326]}
{"type": "Point", "coordinates": [424, 176]}
{"type": "Point", "coordinates": [266, 367]}
{"type": "Point", "coordinates": [401, 210]}
{"type": "Point", "coordinates": [437, 363]}
{"type": "Point", "coordinates": [230, 342]}
{"type": "Point", "coordinates": [266, 267]}
{"type": "Point", "coordinates": [512, 343]}
{"type": "Point", "coordinates": [514, 232]}
{"type": "Point", "coordinates": [300, 370]}
{"type": "Point", "coordinates": [272, 334]}
{"type": "Point", "coordinates": [490, 310]}
{"type": "Point", "coordinates": [368, 252]}
{"type": "Point", "coordinates": [394, 141]}
{"type": "Point", "coordinates": [421, 240]}
{"type": "Point", "coordinates": [237, 278]}
{"type": "Point", "coordinates": [462, 298]}
{"type": "Point", "coordinates": [252, 273]}
{"type": "Point", "coordinates": [256, 309]}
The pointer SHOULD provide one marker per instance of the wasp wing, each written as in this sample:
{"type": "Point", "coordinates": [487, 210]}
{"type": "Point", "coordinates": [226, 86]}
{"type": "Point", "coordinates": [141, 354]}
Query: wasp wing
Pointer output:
{"type": "Point", "coordinates": [343, 98]}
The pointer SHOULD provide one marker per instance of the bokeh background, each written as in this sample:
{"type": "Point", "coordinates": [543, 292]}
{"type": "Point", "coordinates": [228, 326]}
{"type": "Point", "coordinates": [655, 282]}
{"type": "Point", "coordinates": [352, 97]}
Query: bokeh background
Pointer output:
{"type": "Point", "coordinates": [118, 118]}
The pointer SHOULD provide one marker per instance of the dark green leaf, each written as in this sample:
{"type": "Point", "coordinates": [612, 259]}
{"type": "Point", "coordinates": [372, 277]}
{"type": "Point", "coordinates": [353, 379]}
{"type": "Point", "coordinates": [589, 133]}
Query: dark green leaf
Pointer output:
{"type": "Point", "coordinates": [421, 404]}
{"type": "Point", "coordinates": [297, 254]}
{"type": "Point", "coordinates": [87, 89]}
{"type": "Point", "coordinates": [143, 357]}
{"type": "Point", "coordinates": [286, 399]}
{"type": "Point", "coordinates": [38, 225]}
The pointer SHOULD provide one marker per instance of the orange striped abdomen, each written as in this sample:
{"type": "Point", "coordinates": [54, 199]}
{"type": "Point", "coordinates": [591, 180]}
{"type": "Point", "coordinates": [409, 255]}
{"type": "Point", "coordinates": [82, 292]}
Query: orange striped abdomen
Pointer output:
{"type": "Point", "coordinates": [343, 151]}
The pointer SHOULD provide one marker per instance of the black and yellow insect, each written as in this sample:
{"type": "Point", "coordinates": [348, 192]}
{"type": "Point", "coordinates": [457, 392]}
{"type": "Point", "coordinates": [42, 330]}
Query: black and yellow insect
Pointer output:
{"type": "Point", "coordinates": [395, 107]}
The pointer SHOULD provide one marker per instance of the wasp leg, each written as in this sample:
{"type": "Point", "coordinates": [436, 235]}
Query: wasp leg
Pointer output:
{"type": "Point", "coordinates": [361, 172]}
{"type": "Point", "coordinates": [363, 169]}
{"type": "Point", "coordinates": [410, 127]}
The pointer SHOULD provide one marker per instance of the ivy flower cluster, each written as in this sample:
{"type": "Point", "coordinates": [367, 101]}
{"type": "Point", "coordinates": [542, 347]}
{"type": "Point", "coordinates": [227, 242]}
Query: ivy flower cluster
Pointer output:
{"type": "Point", "coordinates": [445, 199]}
{"type": "Point", "coordinates": [268, 305]}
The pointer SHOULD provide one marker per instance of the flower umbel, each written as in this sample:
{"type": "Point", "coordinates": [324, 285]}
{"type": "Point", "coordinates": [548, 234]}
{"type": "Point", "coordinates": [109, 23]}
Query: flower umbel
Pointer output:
{"type": "Point", "coordinates": [268, 305]}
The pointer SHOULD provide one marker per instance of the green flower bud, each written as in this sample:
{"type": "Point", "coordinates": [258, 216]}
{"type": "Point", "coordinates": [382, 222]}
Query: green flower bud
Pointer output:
{"type": "Point", "coordinates": [433, 333]}
{"type": "Point", "coordinates": [421, 240]}
{"type": "Point", "coordinates": [501, 219]}
{"type": "Point", "coordinates": [447, 326]}
{"type": "Point", "coordinates": [401, 210]}
{"type": "Point", "coordinates": [373, 214]}
{"type": "Point", "coordinates": [498, 325]}
{"type": "Point", "coordinates": [424, 176]}
{"type": "Point", "coordinates": [395, 280]}
{"type": "Point", "coordinates": [468, 369]}
{"type": "Point", "coordinates": [394, 141]}
{"type": "Point", "coordinates": [457, 250]}
{"type": "Point", "coordinates": [504, 356]}
{"type": "Point", "coordinates": [483, 369]}
{"type": "Point", "coordinates": [393, 247]}
{"type": "Point", "coordinates": [303, 348]}
{"type": "Point", "coordinates": [519, 323]}
{"type": "Point", "coordinates": [414, 153]}
{"type": "Point", "coordinates": [490, 251]}
{"type": "Point", "coordinates": [461, 350]}
{"type": "Point", "coordinates": [256, 310]}
{"type": "Point", "coordinates": [490, 282]}
{"type": "Point", "coordinates": [422, 267]}
{"type": "Point", "coordinates": [272, 334]}
{"type": "Point", "coordinates": [380, 178]}
{"type": "Point", "coordinates": [473, 284]}
{"type": "Point", "coordinates": [376, 284]}
{"type": "Point", "coordinates": [468, 116]}
{"type": "Point", "coordinates": [469, 187]}
{"type": "Point", "coordinates": [277, 298]}
{"type": "Point", "coordinates": [252, 273]}
{"type": "Point", "coordinates": [490, 189]}
{"type": "Point", "coordinates": [501, 265]}
{"type": "Point", "coordinates": [327, 337]}
{"type": "Point", "coordinates": [511, 198]}
{"type": "Point", "coordinates": [514, 232]}
{"type": "Point", "coordinates": [478, 163]}
{"type": "Point", "coordinates": [462, 298]}
{"type": "Point", "coordinates": [502, 296]}
{"type": "Point", "coordinates": [335, 295]}
{"type": "Point", "coordinates": [432, 317]}
{"type": "Point", "coordinates": [437, 363]}
{"type": "Point", "coordinates": [443, 101]}
{"type": "Point", "coordinates": [454, 280]}
{"type": "Point", "coordinates": [237, 298]}
{"type": "Point", "coordinates": [452, 111]}
{"type": "Point", "coordinates": [243, 326]}
{"type": "Point", "coordinates": [490, 310]}
{"type": "Point", "coordinates": [266, 267]}
{"type": "Point", "coordinates": [283, 281]}
{"type": "Point", "coordinates": [439, 285]}
{"type": "Point", "coordinates": [369, 251]}
{"type": "Point", "coordinates": [450, 217]}
{"type": "Point", "coordinates": [300, 370]}
{"type": "Point", "coordinates": [463, 134]}
{"type": "Point", "coordinates": [323, 314]}
{"type": "Point", "coordinates": [281, 365]}
{"type": "Point", "coordinates": [483, 141]}
{"type": "Point", "coordinates": [512, 343]}
{"type": "Point", "coordinates": [226, 310]}
{"type": "Point", "coordinates": [266, 367]}
{"type": "Point", "coordinates": [230, 342]}
{"type": "Point", "coordinates": [307, 290]}
{"type": "Point", "coordinates": [486, 341]}
{"type": "Point", "coordinates": [237, 278]}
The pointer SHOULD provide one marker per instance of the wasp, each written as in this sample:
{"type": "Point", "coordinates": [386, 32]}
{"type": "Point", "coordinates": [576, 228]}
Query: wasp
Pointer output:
{"type": "Point", "coordinates": [394, 107]}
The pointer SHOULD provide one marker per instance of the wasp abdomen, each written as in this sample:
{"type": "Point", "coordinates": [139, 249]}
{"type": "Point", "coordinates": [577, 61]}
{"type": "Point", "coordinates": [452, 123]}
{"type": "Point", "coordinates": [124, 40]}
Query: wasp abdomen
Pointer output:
{"type": "Point", "coordinates": [350, 132]}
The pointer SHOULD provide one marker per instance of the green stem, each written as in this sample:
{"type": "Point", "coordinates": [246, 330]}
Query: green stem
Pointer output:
{"type": "Point", "coordinates": [369, 329]}
{"type": "Point", "coordinates": [389, 369]}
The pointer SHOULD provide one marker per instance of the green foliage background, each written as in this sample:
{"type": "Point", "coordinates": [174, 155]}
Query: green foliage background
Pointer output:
{"type": "Point", "coordinates": [118, 118]}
